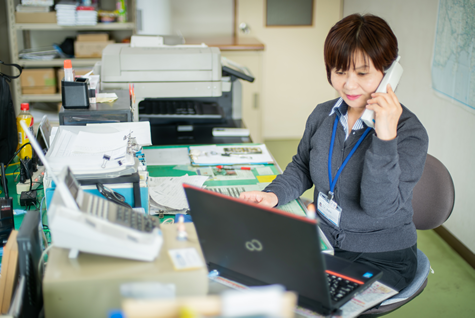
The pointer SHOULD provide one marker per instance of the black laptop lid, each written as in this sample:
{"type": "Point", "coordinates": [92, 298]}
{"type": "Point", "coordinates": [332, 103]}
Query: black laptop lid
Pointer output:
{"type": "Point", "coordinates": [268, 245]}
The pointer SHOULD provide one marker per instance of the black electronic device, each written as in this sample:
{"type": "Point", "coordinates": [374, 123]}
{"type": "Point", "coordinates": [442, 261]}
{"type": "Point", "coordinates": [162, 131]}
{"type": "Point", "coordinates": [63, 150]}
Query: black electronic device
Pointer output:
{"type": "Point", "coordinates": [30, 248]}
{"type": "Point", "coordinates": [75, 95]}
{"type": "Point", "coordinates": [257, 246]}
{"type": "Point", "coordinates": [28, 198]}
{"type": "Point", "coordinates": [6, 211]}
{"type": "Point", "coordinates": [28, 167]}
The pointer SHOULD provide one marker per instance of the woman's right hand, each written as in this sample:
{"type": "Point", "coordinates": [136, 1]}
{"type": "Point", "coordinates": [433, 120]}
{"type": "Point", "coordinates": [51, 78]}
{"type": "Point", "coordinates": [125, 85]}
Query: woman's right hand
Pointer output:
{"type": "Point", "coordinates": [268, 199]}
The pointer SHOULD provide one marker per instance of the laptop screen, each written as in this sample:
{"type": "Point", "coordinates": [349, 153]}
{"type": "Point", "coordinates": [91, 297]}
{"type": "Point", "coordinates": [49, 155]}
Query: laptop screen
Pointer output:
{"type": "Point", "coordinates": [258, 245]}
{"type": "Point", "coordinates": [255, 245]}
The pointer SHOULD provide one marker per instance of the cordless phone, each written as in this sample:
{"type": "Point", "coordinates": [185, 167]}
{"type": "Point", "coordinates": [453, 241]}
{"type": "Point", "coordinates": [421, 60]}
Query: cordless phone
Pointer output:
{"type": "Point", "coordinates": [392, 77]}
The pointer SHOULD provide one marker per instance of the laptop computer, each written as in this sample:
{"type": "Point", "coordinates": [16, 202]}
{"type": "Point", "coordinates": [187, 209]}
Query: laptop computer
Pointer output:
{"type": "Point", "coordinates": [257, 246]}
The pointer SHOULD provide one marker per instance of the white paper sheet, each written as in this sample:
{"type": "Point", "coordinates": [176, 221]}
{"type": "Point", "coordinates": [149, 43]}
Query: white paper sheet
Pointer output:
{"type": "Point", "coordinates": [168, 191]}
{"type": "Point", "coordinates": [140, 130]}
{"type": "Point", "coordinates": [61, 154]}
{"type": "Point", "coordinates": [89, 143]}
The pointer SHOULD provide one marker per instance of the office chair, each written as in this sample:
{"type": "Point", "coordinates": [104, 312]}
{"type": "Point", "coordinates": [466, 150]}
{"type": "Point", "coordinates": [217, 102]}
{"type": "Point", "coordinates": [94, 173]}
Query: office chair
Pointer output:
{"type": "Point", "coordinates": [433, 202]}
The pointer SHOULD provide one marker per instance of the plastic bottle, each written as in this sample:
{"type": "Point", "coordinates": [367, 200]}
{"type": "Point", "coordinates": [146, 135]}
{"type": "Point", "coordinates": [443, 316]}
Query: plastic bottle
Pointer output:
{"type": "Point", "coordinates": [68, 71]}
{"type": "Point", "coordinates": [26, 116]}
{"type": "Point", "coordinates": [121, 11]}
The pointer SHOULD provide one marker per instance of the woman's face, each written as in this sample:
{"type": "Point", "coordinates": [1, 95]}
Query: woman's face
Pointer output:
{"type": "Point", "coordinates": [357, 84]}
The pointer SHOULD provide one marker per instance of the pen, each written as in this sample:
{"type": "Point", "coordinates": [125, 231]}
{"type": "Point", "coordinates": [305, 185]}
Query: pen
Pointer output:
{"type": "Point", "coordinates": [130, 95]}
{"type": "Point", "coordinates": [232, 168]}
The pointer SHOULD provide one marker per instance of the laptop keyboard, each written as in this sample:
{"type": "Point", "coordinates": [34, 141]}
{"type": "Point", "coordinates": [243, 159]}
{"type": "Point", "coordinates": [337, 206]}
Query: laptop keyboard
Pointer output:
{"type": "Point", "coordinates": [232, 191]}
{"type": "Point", "coordinates": [339, 287]}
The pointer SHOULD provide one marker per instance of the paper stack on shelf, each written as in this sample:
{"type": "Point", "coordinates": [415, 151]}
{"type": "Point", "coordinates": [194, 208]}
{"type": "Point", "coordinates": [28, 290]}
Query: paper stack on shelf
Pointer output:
{"type": "Point", "coordinates": [37, 2]}
{"type": "Point", "coordinates": [86, 15]}
{"type": "Point", "coordinates": [66, 12]}
{"type": "Point", "coordinates": [41, 53]}
{"type": "Point", "coordinates": [83, 149]}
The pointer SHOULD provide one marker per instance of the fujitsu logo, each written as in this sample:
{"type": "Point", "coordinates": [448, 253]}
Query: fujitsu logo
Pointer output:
{"type": "Point", "coordinates": [254, 245]}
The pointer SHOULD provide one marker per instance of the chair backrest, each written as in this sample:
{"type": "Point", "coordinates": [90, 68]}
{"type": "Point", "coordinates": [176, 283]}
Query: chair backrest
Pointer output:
{"type": "Point", "coordinates": [434, 195]}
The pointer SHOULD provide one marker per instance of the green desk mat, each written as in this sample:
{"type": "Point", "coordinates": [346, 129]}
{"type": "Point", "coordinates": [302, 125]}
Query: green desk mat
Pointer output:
{"type": "Point", "coordinates": [181, 170]}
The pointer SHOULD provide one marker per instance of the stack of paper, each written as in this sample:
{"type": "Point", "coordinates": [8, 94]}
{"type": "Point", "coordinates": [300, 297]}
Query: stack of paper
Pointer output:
{"type": "Point", "coordinates": [86, 15]}
{"type": "Point", "coordinates": [71, 149]}
{"type": "Point", "coordinates": [66, 12]}
{"type": "Point", "coordinates": [37, 2]}
{"type": "Point", "coordinates": [83, 149]}
{"type": "Point", "coordinates": [140, 130]}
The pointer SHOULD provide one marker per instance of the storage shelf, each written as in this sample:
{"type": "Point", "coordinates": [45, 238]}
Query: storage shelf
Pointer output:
{"type": "Point", "coordinates": [53, 26]}
{"type": "Point", "coordinates": [16, 29]}
{"type": "Point", "coordinates": [41, 97]}
{"type": "Point", "coordinates": [76, 62]}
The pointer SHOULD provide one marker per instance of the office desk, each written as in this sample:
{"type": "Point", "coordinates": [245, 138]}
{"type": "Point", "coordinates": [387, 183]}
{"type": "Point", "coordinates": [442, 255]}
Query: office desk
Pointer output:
{"type": "Point", "coordinates": [216, 288]}
{"type": "Point", "coordinates": [172, 171]}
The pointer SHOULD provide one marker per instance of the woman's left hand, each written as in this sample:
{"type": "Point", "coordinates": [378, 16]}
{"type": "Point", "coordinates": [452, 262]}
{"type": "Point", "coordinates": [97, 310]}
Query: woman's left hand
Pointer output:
{"type": "Point", "coordinates": [387, 111]}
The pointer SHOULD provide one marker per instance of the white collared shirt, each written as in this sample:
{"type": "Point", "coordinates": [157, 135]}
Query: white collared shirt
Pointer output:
{"type": "Point", "coordinates": [344, 117]}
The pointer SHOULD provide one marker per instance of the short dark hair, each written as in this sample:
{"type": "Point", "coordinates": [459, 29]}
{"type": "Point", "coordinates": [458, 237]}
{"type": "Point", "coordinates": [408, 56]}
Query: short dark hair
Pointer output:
{"type": "Point", "coordinates": [366, 33]}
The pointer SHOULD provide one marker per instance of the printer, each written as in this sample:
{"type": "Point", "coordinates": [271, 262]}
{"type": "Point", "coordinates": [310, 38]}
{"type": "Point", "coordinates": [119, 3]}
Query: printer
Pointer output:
{"type": "Point", "coordinates": [183, 90]}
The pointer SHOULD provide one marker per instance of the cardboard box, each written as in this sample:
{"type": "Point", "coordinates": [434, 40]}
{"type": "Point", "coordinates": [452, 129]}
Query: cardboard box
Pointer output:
{"type": "Point", "coordinates": [90, 49]}
{"type": "Point", "coordinates": [35, 17]}
{"type": "Point", "coordinates": [77, 71]}
{"type": "Point", "coordinates": [38, 77]}
{"type": "Point", "coordinates": [93, 37]}
{"type": "Point", "coordinates": [39, 90]}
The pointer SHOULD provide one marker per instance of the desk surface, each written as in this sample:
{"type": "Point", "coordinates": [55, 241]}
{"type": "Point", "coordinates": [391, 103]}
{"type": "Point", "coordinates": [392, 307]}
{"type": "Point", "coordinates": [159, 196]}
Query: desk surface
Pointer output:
{"type": "Point", "coordinates": [263, 174]}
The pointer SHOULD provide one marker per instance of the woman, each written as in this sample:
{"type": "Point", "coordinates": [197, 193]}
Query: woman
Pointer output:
{"type": "Point", "coordinates": [364, 203]}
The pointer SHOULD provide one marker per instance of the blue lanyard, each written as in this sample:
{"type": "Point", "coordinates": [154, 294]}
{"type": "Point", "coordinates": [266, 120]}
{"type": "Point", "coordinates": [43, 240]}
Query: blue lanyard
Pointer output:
{"type": "Point", "coordinates": [330, 154]}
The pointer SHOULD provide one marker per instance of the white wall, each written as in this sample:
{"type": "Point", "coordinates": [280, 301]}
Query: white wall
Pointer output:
{"type": "Point", "coordinates": [203, 18]}
{"type": "Point", "coordinates": [293, 72]}
{"type": "Point", "coordinates": [451, 126]}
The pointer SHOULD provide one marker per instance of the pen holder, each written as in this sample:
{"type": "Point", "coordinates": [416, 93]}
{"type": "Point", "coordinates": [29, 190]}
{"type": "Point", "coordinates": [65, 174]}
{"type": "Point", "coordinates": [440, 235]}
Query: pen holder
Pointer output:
{"type": "Point", "coordinates": [75, 94]}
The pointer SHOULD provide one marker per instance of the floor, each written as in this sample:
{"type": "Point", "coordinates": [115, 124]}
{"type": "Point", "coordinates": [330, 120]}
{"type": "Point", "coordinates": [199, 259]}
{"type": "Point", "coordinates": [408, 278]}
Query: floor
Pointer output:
{"type": "Point", "coordinates": [451, 288]}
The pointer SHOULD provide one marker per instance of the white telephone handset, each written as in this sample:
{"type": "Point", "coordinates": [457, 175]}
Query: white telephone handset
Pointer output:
{"type": "Point", "coordinates": [392, 77]}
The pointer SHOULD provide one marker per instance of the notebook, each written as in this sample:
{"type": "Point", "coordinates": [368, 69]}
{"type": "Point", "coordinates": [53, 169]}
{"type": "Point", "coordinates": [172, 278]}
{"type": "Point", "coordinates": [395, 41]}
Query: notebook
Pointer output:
{"type": "Point", "coordinates": [257, 246]}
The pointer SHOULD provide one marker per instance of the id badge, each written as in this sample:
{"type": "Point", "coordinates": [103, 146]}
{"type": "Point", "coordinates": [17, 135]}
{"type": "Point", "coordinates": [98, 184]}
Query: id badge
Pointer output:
{"type": "Point", "coordinates": [329, 209]}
